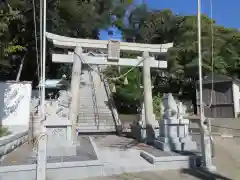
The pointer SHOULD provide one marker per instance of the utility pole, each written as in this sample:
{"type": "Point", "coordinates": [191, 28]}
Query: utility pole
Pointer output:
{"type": "Point", "coordinates": [205, 136]}
{"type": "Point", "coordinates": [43, 60]}
{"type": "Point", "coordinates": [41, 51]}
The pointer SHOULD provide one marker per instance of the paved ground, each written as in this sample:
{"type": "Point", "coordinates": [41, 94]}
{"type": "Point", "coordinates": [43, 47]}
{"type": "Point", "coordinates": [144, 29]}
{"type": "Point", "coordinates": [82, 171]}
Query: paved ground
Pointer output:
{"type": "Point", "coordinates": [228, 157]}
{"type": "Point", "coordinates": [161, 175]}
{"type": "Point", "coordinates": [120, 155]}
{"type": "Point", "coordinates": [227, 160]}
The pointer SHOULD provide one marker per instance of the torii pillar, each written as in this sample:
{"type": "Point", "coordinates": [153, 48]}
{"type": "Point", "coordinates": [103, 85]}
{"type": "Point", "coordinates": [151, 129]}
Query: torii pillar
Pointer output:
{"type": "Point", "coordinates": [148, 100]}
{"type": "Point", "coordinates": [75, 90]}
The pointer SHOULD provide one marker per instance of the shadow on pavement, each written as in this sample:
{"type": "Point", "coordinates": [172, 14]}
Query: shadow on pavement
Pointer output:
{"type": "Point", "coordinates": [203, 174]}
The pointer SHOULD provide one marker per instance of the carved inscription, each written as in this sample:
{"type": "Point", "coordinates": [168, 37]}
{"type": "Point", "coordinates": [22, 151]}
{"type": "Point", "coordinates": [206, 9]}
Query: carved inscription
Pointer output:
{"type": "Point", "coordinates": [57, 135]}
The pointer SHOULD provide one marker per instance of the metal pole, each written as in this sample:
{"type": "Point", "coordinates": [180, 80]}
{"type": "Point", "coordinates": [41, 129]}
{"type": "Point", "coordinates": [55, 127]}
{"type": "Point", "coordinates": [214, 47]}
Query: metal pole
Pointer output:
{"type": "Point", "coordinates": [206, 143]}
{"type": "Point", "coordinates": [41, 42]}
{"type": "Point", "coordinates": [44, 54]}
{"type": "Point", "coordinates": [41, 157]}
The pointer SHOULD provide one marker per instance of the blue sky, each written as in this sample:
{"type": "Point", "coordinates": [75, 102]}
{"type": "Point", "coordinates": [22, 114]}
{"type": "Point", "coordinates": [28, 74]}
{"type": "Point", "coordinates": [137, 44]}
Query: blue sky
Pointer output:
{"type": "Point", "coordinates": [225, 12]}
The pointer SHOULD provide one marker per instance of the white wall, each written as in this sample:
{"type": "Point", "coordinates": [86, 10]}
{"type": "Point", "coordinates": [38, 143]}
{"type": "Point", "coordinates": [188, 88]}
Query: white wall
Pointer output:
{"type": "Point", "coordinates": [236, 97]}
{"type": "Point", "coordinates": [15, 104]}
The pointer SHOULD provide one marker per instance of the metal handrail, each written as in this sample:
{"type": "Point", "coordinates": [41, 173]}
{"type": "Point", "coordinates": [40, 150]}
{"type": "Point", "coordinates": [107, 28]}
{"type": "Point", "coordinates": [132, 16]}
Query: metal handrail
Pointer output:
{"type": "Point", "coordinates": [110, 98]}
{"type": "Point", "coordinates": [94, 98]}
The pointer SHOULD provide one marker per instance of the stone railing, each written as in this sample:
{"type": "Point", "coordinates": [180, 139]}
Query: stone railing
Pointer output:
{"type": "Point", "coordinates": [11, 142]}
{"type": "Point", "coordinates": [112, 105]}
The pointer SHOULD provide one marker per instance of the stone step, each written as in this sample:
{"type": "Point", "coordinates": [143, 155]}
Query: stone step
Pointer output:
{"type": "Point", "coordinates": [86, 110]}
{"type": "Point", "coordinates": [93, 117]}
{"type": "Point", "coordinates": [103, 120]}
{"type": "Point", "coordinates": [85, 102]}
{"type": "Point", "coordinates": [86, 97]}
{"type": "Point", "coordinates": [90, 107]}
{"type": "Point", "coordinates": [86, 125]}
{"type": "Point", "coordinates": [95, 128]}
{"type": "Point", "coordinates": [92, 123]}
{"type": "Point", "coordinates": [104, 111]}
{"type": "Point", "coordinates": [91, 131]}
{"type": "Point", "coordinates": [89, 112]}
{"type": "Point", "coordinates": [87, 119]}
{"type": "Point", "coordinates": [102, 116]}
{"type": "Point", "coordinates": [86, 106]}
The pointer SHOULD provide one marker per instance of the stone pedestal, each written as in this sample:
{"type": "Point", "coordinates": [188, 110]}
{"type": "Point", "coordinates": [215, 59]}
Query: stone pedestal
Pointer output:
{"type": "Point", "coordinates": [59, 141]}
{"type": "Point", "coordinates": [173, 128]}
{"type": "Point", "coordinates": [143, 132]}
{"type": "Point", "coordinates": [138, 129]}
{"type": "Point", "coordinates": [138, 132]}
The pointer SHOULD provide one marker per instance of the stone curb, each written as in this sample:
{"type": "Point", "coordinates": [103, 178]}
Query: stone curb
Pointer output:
{"type": "Point", "coordinates": [11, 142]}
{"type": "Point", "coordinates": [221, 134]}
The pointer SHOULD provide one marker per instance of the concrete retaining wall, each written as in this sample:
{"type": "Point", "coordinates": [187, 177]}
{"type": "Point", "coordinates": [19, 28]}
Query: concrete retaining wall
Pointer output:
{"type": "Point", "coordinates": [230, 126]}
{"type": "Point", "coordinates": [11, 142]}
{"type": "Point", "coordinates": [226, 126]}
{"type": "Point", "coordinates": [219, 125]}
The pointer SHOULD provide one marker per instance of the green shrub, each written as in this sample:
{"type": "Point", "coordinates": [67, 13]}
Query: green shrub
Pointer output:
{"type": "Point", "coordinates": [4, 131]}
{"type": "Point", "coordinates": [156, 105]}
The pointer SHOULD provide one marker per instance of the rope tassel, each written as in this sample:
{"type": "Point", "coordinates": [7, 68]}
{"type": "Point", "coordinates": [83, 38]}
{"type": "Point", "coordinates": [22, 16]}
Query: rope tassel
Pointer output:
{"type": "Point", "coordinates": [114, 89]}
{"type": "Point", "coordinates": [125, 81]}
{"type": "Point", "coordinates": [119, 69]}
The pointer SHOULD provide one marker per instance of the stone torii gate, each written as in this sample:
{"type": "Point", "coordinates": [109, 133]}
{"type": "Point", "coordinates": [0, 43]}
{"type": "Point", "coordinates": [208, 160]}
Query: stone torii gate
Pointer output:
{"type": "Point", "coordinates": [113, 48]}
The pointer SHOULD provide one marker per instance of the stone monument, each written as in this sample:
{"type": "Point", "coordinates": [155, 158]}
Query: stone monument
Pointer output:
{"type": "Point", "coordinates": [58, 127]}
{"type": "Point", "coordinates": [64, 100]}
{"type": "Point", "coordinates": [174, 128]}
{"type": "Point", "coordinates": [59, 141]}
{"type": "Point", "coordinates": [138, 129]}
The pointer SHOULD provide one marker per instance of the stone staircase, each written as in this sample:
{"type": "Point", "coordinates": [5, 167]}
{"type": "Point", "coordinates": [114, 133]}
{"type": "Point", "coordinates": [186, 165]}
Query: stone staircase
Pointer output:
{"type": "Point", "coordinates": [94, 114]}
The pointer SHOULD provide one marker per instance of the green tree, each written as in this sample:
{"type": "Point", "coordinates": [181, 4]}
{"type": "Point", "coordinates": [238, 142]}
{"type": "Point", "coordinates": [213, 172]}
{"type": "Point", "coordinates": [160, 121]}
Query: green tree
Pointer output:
{"type": "Point", "coordinates": [10, 46]}
{"type": "Point", "coordinates": [82, 19]}
{"type": "Point", "coordinates": [164, 26]}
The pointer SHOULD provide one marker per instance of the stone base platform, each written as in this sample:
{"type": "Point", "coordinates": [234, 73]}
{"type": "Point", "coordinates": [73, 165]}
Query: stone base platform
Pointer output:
{"type": "Point", "coordinates": [177, 144]}
{"type": "Point", "coordinates": [85, 163]}
{"type": "Point", "coordinates": [169, 160]}
{"type": "Point", "coordinates": [140, 133]}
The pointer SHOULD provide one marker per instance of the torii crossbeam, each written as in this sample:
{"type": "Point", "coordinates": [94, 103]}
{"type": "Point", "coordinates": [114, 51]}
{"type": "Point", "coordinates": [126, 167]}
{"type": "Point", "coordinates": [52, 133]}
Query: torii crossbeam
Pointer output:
{"type": "Point", "coordinates": [113, 48]}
